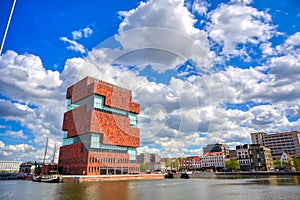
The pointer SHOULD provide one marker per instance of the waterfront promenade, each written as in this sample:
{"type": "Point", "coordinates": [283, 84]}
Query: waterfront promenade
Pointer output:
{"type": "Point", "coordinates": [81, 178]}
{"type": "Point", "coordinates": [257, 173]}
{"type": "Point", "coordinates": [199, 175]}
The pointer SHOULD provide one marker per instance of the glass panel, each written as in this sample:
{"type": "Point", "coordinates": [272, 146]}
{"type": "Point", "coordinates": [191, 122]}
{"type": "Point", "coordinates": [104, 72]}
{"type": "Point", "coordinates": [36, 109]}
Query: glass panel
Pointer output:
{"type": "Point", "coordinates": [132, 153]}
{"type": "Point", "coordinates": [71, 106]}
{"type": "Point", "coordinates": [133, 119]}
{"type": "Point", "coordinates": [68, 141]}
{"type": "Point", "coordinates": [99, 104]}
{"type": "Point", "coordinates": [65, 134]}
{"type": "Point", "coordinates": [95, 141]}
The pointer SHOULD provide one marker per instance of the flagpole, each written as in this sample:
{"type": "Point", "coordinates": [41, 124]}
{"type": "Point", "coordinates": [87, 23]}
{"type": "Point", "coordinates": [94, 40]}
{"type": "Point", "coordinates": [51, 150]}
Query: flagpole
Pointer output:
{"type": "Point", "coordinates": [7, 26]}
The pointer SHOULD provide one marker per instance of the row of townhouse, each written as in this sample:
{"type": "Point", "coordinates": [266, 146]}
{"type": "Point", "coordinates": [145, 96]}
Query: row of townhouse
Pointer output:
{"type": "Point", "coordinates": [250, 157]}
{"type": "Point", "coordinates": [258, 156]}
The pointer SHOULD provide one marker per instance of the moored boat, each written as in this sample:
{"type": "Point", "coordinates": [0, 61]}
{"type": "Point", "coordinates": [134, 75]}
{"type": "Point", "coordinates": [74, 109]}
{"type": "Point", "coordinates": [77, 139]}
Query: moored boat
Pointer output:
{"type": "Point", "coordinates": [45, 179]}
{"type": "Point", "coordinates": [169, 175]}
{"type": "Point", "coordinates": [185, 175]}
{"type": "Point", "coordinates": [53, 177]}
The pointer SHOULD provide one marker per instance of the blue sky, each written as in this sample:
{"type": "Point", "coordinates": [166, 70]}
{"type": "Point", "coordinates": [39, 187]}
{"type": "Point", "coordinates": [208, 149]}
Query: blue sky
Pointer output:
{"type": "Point", "coordinates": [203, 71]}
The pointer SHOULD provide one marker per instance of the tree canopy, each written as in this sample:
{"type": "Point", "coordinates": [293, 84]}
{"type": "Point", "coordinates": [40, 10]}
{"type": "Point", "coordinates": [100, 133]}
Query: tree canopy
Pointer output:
{"type": "Point", "coordinates": [232, 165]}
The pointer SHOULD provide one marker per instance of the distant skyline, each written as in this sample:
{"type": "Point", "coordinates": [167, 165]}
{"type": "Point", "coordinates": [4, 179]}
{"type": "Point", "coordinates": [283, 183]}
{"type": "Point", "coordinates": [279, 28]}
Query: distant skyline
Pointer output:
{"type": "Point", "coordinates": [202, 71]}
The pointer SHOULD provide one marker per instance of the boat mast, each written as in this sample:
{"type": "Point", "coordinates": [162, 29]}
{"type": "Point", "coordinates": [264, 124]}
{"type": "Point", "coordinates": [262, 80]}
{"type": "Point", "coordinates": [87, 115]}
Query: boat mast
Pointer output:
{"type": "Point", "coordinates": [45, 152]}
{"type": "Point", "coordinates": [53, 154]}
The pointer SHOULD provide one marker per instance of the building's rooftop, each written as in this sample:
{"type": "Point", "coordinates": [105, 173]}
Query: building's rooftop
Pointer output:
{"type": "Point", "coordinates": [213, 154]}
{"type": "Point", "coordinates": [93, 80]}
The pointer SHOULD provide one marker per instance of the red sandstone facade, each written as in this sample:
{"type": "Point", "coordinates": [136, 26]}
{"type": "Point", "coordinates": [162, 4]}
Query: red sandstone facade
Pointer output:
{"type": "Point", "coordinates": [101, 132]}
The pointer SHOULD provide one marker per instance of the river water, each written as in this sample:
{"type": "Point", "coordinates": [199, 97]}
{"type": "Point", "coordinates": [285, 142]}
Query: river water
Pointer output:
{"type": "Point", "coordinates": [267, 188]}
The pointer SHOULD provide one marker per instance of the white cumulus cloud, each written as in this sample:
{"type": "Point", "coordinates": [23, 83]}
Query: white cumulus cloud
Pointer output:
{"type": "Point", "coordinates": [73, 45]}
{"type": "Point", "coordinates": [235, 24]}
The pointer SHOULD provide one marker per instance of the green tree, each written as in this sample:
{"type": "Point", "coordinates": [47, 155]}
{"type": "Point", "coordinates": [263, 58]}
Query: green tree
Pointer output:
{"type": "Point", "coordinates": [232, 165]}
{"type": "Point", "coordinates": [144, 167]}
{"type": "Point", "coordinates": [169, 163]}
{"type": "Point", "coordinates": [286, 165]}
{"type": "Point", "coordinates": [180, 162]}
{"type": "Point", "coordinates": [296, 163]}
{"type": "Point", "coordinates": [176, 163]}
{"type": "Point", "coordinates": [277, 164]}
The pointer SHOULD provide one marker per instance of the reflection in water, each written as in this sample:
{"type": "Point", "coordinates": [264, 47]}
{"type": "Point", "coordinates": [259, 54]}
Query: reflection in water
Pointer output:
{"type": "Point", "coordinates": [273, 180]}
{"type": "Point", "coordinates": [296, 180]}
{"type": "Point", "coordinates": [249, 188]}
{"type": "Point", "coordinates": [97, 190]}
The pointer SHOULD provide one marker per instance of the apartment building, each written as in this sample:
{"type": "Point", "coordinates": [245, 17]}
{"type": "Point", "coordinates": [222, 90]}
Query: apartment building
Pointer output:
{"type": "Point", "coordinates": [278, 143]}
{"type": "Point", "coordinates": [260, 158]}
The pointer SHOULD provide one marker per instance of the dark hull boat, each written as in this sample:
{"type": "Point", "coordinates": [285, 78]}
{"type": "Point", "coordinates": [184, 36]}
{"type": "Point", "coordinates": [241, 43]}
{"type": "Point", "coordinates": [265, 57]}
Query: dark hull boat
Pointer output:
{"type": "Point", "coordinates": [184, 175]}
{"type": "Point", "coordinates": [52, 178]}
{"type": "Point", "coordinates": [169, 175]}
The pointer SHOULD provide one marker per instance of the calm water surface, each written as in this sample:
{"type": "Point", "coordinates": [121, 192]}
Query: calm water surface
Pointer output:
{"type": "Point", "coordinates": [272, 188]}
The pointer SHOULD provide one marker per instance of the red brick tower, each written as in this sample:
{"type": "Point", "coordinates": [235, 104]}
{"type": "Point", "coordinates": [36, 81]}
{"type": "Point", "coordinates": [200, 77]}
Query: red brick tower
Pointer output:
{"type": "Point", "coordinates": [101, 131]}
